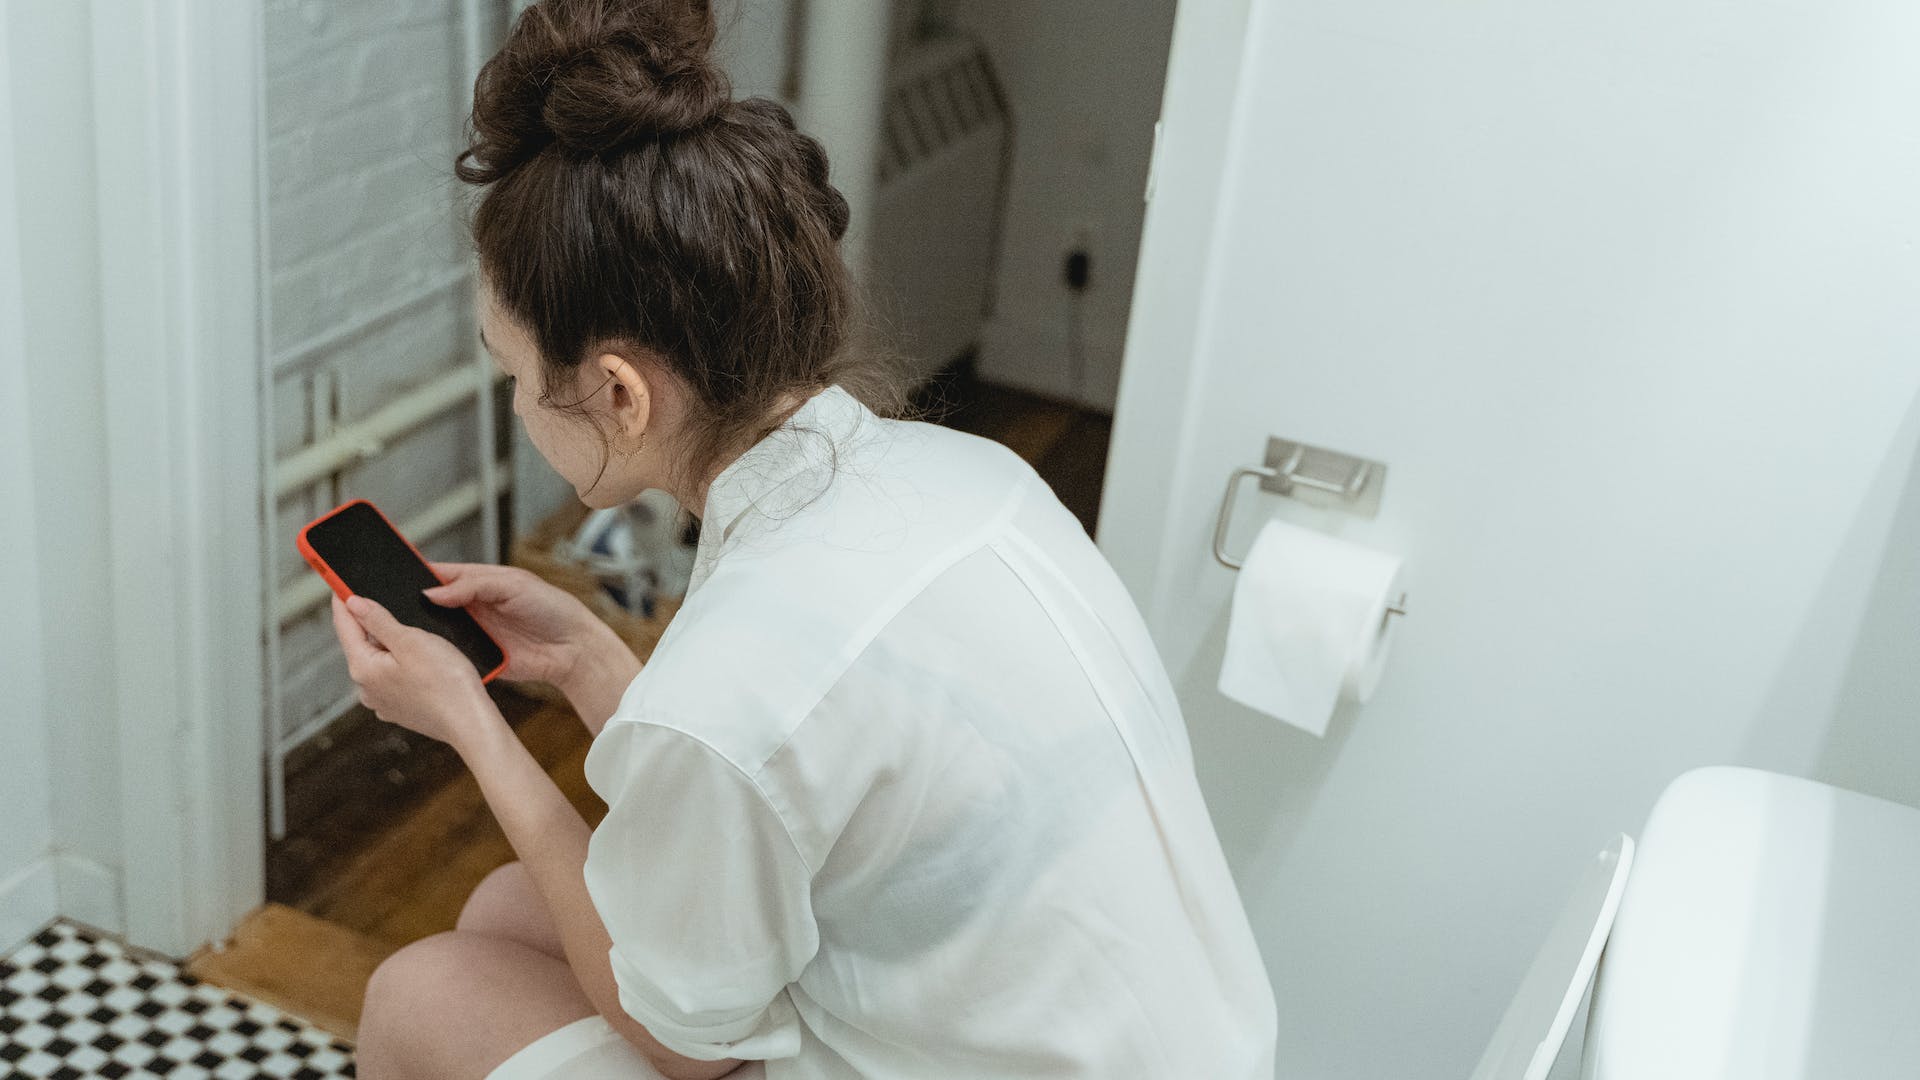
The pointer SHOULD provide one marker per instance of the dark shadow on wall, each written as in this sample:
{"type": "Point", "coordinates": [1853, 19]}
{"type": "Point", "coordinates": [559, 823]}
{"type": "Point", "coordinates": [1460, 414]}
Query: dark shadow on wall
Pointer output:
{"type": "Point", "coordinates": [1874, 743]}
{"type": "Point", "coordinates": [1847, 712]}
{"type": "Point", "coordinates": [1260, 775]}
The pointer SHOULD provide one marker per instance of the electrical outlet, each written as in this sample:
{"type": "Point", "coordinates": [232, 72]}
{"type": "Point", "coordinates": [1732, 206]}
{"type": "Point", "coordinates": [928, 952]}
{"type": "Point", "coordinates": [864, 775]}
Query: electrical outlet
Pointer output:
{"type": "Point", "coordinates": [1079, 269]}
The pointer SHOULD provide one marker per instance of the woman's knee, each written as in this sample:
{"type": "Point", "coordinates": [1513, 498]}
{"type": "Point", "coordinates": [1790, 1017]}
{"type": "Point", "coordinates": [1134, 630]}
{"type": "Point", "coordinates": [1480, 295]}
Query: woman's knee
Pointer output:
{"type": "Point", "coordinates": [491, 902]}
{"type": "Point", "coordinates": [417, 974]}
{"type": "Point", "coordinates": [506, 905]}
{"type": "Point", "coordinates": [409, 976]}
{"type": "Point", "coordinates": [455, 1005]}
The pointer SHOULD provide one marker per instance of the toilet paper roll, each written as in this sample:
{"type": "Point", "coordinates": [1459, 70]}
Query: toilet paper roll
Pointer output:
{"type": "Point", "coordinates": [1309, 624]}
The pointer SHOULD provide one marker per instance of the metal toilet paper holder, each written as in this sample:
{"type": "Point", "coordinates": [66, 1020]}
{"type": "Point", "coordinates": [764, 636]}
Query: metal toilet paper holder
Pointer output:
{"type": "Point", "coordinates": [1312, 474]}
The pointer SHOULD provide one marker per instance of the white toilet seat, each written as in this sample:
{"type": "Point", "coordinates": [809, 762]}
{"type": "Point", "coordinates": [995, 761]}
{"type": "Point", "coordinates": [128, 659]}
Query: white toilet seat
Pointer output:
{"type": "Point", "coordinates": [1770, 931]}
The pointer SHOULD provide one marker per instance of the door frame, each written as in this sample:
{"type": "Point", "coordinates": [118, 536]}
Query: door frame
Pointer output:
{"type": "Point", "coordinates": [180, 156]}
{"type": "Point", "coordinates": [28, 893]}
{"type": "Point", "coordinates": [1193, 145]}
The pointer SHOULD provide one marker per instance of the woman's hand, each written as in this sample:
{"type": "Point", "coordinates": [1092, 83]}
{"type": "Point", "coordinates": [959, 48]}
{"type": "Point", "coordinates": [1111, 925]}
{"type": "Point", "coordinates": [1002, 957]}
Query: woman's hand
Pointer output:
{"type": "Point", "coordinates": [541, 626]}
{"type": "Point", "coordinates": [410, 677]}
{"type": "Point", "coordinates": [548, 634]}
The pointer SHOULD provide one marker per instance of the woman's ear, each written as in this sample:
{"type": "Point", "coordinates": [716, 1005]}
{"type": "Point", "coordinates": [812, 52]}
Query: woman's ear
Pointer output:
{"type": "Point", "coordinates": [632, 394]}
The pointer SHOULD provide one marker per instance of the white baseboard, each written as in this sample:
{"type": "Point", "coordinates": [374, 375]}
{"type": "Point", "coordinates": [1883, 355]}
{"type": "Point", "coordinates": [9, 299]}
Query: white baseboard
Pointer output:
{"type": "Point", "coordinates": [28, 901]}
{"type": "Point", "coordinates": [55, 886]}
{"type": "Point", "coordinates": [1035, 358]}
{"type": "Point", "coordinates": [90, 893]}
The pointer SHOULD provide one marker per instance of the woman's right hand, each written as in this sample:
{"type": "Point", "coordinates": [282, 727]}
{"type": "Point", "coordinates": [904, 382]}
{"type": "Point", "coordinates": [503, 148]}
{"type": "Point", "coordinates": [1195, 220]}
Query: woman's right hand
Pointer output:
{"type": "Point", "coordinates": [544, 629]}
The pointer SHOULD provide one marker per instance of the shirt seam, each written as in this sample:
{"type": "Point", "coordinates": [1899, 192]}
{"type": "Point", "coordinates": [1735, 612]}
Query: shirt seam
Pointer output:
{"type": "Point", "coordinates": [1103, 689]}
{"type": "Point", "coordinates": [1050, 567]}
{"type": "Point", "coordinates": [986, 540]}
{"type": "Point", "coordinates": [751, 778]}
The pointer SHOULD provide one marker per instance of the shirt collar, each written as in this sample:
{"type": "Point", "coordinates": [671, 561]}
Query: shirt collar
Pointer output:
{"type": "Point", "coordinates": [778, 475]}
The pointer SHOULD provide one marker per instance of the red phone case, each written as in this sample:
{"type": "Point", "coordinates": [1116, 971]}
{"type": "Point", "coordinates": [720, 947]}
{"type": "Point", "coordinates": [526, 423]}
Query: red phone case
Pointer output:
{"type": "Point", "coordinates": [340, 587]}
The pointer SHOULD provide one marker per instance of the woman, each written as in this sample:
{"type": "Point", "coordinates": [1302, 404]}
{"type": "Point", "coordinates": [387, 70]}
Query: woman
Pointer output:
{"type": "Point", "coordinates": [904, 791]}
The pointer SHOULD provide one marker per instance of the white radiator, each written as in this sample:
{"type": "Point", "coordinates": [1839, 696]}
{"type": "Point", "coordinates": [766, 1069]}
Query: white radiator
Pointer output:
{"type": "Point", "coordinates": [943, 167]}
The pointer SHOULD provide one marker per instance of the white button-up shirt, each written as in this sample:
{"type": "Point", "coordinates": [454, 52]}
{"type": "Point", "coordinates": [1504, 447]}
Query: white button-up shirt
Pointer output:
{"type": "Point", "coordinates": [905, 792]}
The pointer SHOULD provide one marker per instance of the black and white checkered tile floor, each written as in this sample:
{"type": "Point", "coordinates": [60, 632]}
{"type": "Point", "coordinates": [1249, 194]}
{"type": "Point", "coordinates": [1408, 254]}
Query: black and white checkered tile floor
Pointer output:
{"type": "Point", "coordinates": [75, 1005]}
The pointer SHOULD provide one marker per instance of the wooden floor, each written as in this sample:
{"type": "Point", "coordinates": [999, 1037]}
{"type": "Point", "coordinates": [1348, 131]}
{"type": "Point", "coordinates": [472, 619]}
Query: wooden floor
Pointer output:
{"type": "Point", "coordinates": [401, 879]}
{"type": "Point", "coordinates": [388, 834]}
{"type": "Point", "coordinates": [291, 960]}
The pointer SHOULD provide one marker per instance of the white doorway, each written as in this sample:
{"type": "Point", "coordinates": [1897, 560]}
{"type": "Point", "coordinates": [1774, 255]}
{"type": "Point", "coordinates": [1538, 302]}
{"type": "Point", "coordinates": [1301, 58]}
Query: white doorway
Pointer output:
{"type": "Point", "coordinates": [221, 398]}
{"type": "Point", "coordinates": [1623, 299]}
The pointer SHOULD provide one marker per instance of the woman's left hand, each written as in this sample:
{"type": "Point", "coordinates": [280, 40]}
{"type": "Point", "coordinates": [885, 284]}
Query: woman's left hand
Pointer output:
{"type": "Point", "coordinates": [410, 677]}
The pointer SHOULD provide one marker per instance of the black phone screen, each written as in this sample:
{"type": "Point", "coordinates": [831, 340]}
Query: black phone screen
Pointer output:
{"type": "Point", "coordinates": [374, 562]}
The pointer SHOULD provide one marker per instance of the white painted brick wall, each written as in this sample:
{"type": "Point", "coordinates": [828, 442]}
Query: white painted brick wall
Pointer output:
{"type": "Point", "coordinates": [299, 31]}
{"type": "Point", "coordinates": [364, 106]}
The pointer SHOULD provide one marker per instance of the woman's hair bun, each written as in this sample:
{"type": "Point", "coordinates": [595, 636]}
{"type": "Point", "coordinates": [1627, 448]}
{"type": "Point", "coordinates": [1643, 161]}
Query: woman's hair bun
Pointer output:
{"type": "Point", "coordinates": [593, 75]}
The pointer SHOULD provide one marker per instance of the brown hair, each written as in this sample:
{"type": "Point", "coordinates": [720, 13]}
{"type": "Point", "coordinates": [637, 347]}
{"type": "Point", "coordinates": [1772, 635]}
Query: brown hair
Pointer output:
{"type": "Point", "coordinates": [632, 206]}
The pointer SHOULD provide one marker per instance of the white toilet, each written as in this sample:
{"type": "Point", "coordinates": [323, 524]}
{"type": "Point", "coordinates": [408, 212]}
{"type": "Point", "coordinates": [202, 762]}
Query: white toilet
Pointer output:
{"type": "Point", "coordinates": [1768, 929]}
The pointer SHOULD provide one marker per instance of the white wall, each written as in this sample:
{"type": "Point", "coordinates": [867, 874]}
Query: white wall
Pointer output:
{"type": "Point", "coordinates": [27, 886]}
{"type": "Point", "coordinates": [1083, 78]}
{"type": "Point", "coordinates": [49, 69]}
{"type": "Point", "coordinates": [753, 46]}
{"type": "Point", "coordinates": [1625, 296]}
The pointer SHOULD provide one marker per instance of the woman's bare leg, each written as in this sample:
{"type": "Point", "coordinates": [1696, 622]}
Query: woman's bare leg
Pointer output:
{"type": "Point", "coordinates": [507, 906]}
{"type": "Point", "coordinates": [456, 1005]}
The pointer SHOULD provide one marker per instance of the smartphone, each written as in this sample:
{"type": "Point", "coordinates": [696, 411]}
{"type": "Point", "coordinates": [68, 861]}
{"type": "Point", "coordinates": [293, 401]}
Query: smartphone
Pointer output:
{"type": "Point", "coordinates": [359, 553]}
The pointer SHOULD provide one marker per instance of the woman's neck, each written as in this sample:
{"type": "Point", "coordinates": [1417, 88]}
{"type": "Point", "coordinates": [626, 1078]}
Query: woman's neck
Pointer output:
{"type": "Point", "coordinates": [693, 495]}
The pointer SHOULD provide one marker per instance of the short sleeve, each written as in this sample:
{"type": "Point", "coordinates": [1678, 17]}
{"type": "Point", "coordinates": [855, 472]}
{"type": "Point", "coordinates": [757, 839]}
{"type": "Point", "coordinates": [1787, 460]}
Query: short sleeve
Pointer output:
{"type": "Point", "coordinates": [703, 892]}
